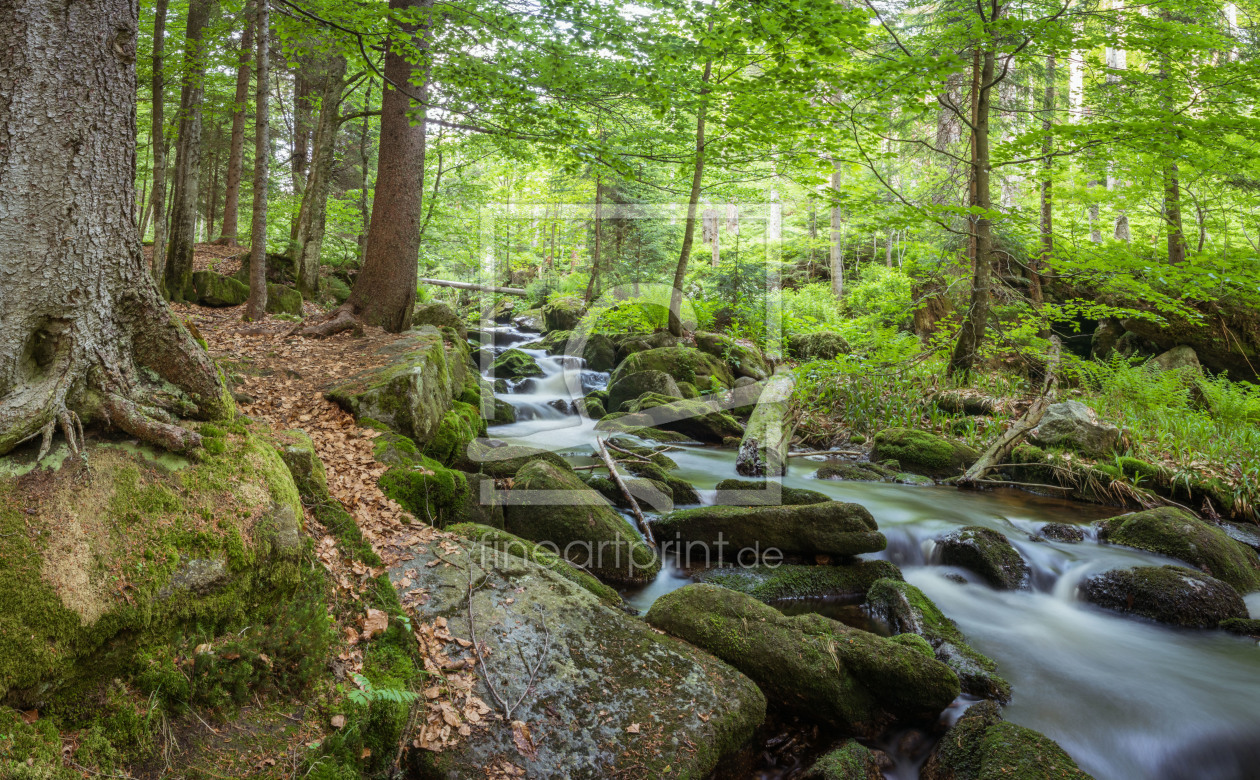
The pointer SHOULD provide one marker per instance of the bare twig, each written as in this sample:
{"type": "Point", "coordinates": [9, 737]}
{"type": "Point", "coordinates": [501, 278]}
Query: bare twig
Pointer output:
{"type": "Point", "coordinates": [634, 505]}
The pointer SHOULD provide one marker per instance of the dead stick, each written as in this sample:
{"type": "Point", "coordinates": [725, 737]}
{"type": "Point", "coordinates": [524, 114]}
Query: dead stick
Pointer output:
{"type": "Point", "coordinates": [809, 453]}
{"type": "Point", "coordinates": [634, 505]}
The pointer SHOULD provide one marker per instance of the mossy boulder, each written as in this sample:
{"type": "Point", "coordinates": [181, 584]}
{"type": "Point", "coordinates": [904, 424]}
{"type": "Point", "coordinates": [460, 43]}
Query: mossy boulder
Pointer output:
{"type": "Point", "coordinates": [96, 566]}
{"type": "Point", "coordinates": [987, 553]}
{"type": "Point", "coordinates": [741, 492]}
{"type": "Point", "coordinates": [283, 300]}
{"type": "Point", "coordinates": [684, 364]}
{"type": "Point", "coordinates": [850, 761]}
{"type": "Point", "coordinates": [981, 746]}
{"type": "Point", "coordinates": [701, 420]}
{"type": "Point", "coordinates": [743, 360]}
{"type": "Point", "coordinates": [515, 364]}
{"type": "Point", "coordinates": [648, 493]}
{"type": "Point", "coordinates": [505, 542]}
{"type": "Point", "coordinates": [552, 506]}
{"type": "Point", "coordinates": [1178, 534]}
{"type": "Point", "coordinates": [790, 581]}
{"type": "Point", "coordinates": [648, 401]}
{"type": "Point", "coordinates": [563, 313]}
{"type": "Point", "coordinates": [640, 342]}
{"type": "Point", "coordinates": [680, 490]}
{"type": "Point", "coordinates": [298, 453]}
{"type": "Point", "coordinates": [530, 321]}
{"type": "Point", "coordinates": [599, 352]}
{"type": "Point", "coordinates": [628, 387]}
{"type": "Point", "coordinates": [823, 345]}
{"type": "Point", "coordinates": [499, 460]}
{"type": "Point", "coordinates": [591, 408]}
{"type": "Point", "coordinates": [428, 490]}
{"type": "Point", "coordinates": [213, 289]}
{"type": "Point", "coordinates": [1242, 627]}
{"type": "Point", "coordinates": [653, 706]}
{"type": "Point", "coordinates": [847, 678]}
{"type": "Point", "coordinates": [459, 426]}
{"type": "Point", "coordinates": [832, 528]}
{"type": "Point", "coordinates": [413, 390]}
{"type": "Point", "coordinates": [907, 610]}
{"type": "Point", "coordinates": [856, 472]}
{"type": "Point", "coordinates": [1062, 532]}
{"type": "Point", "coordinates": [1167, 594]}
{"type": "Point", "coordinates": [439, 315]}
{"type": "Point", "coordinates": [924, 453]}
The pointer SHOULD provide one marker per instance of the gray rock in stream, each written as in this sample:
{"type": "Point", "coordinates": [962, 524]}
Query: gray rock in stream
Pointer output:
{"type": "Point", "coordinates": [611, 698]}
{"type": "Point", "coordinates": [1167, 594]}
{"type": "Point", "coordinates": [987, 553]}
{"type": "Point", "coordinates": [981, 746]}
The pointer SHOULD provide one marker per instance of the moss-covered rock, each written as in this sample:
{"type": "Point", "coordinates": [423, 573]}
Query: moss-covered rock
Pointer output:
{"type": "Point", "coordinates": [648, 493]}
{"type": "Point", "coordinates": [599, 352]}
{"type": "Point", "coordinates": [856, 472]}
{"type": "Point", "coordinates": [412, 392]}
{"type": "Point", "coordinates": [629, 386]}
{"type": "Point", "coordinates": [1242, 627]}
{"type": "Point", "coordinates": [439, 315]}
{"type": "Point", "coordinates": [987, 553]}
{"type": "Point", "coordinates": [850, 761]}
{"type": "Point", "coordinates": [741, 492]}
{"type": "Point", "coordinates": [851, 679]}
{"type": "Point", "coordinates": [1062, 532]}
{"type": "Point", "coordinates": [823, 345]}
{"type": "Point", "coordinates": [699, 419]}
{"type": "Point", "coordinates": [648, 401]}
{"type": "Point", "coordinates": [502, 461]}
{"type": "Point", "coordinates": [1073, 425]}
{"type": "Point", "coordinates": [1178, 534]}
{"type": "Point", "coordinates": [283, 300]}
{"type": "Point", "coordinates": [774, 583]}
{"type": "Point", "coordinates": [428, 490]}
{"type": "Point", "coordinates": [922, 452]}
{"type": "Point", "coordinates": [652, 706]}
{"type": "Point", "coordinates": [563, 313]}
{"type": "Point", "coordinates": [460, 425]}
{"type": "Point", "coordinates": [213, 289]}
{"type": "Point", "coordinates": [298, 453]}
{"type": "Point", "coordinates": [980, 746]}
{"type": "Point", "coordinates": [907, 610]}
{"type": "Point", "coordinates": [681, 491]}
{"type": "Point", "coordinates": [742, 360]}
{"type": "Point", "coordinates": [1167, 594]}
{"type": "Point", "coordinates": [504, 542]}
{"type": "Point", "coordinates": [832, 528]}
{"type": "Point", "coordinates": [592, 408]}
{"type": "Point", "coordinates": [683, 364]}
{"type": "Point", "coordinates": [515, 364]}
{"type": "Point", "coordinates": [551, 505]}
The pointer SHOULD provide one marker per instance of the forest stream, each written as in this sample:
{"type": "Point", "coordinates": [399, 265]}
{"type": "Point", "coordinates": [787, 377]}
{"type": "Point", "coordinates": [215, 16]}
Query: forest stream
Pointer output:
{"type": "Point", "coordinates": [1128, 699]}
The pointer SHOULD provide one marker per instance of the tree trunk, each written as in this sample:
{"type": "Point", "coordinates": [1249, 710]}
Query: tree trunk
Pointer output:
{"type": "Point", "coordinates": [1036, 262]}
{"type": "Point", "coordinates": [837, 234]}
{"type": "Point", "coordinates": [971, 335]}
{"type": "Point", "coordinates": [592, 285]}
{"type": "Point", "coordinates": [179, 256]}
{"type": "Point", "coordinates": [79, 313]}
{"type": "Point", "coordinates": [312, 216]}
{"type": "Point", "coordinates": [158, 196]}
{"type": "Point", "coordinates": [365, 166]}
{"type": "Point", "coordinates": [256, 306]}
{"type": "Point", "coordinates": [236, 156]}
{"type": "Point", "coordinates": [689, 232]}
{"type": "Point", "coordinates": [385, 290]}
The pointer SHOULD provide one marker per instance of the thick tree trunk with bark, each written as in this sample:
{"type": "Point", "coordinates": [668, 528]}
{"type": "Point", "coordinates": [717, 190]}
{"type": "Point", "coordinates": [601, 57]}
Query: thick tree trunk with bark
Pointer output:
{"type": "Point", "coordinates": [158, 196]}
{"type": "Point", "coordinates": [971, 335]}
{"type": "Point", "coordinates": [313, 213]}
{"type": "Point", "coordinates": [256, 306]}
{"type": "Point", "coordinates": [236, 155]}
{"type": "Point", "coordinates": [80, 317]}
{"type": "Point", "coordinates": [689, 233]}
{"type": "Point", "coordinates": [384, 292]}
{"type": "Point", "coordinates": [179, 255]}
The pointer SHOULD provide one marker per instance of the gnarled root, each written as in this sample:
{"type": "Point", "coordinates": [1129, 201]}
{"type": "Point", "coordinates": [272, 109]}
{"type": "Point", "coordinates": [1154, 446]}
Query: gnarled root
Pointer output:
{"type": "Point", "coordinates": [337, 321]}
{"type": "Point", "coordinates": [128, 416]}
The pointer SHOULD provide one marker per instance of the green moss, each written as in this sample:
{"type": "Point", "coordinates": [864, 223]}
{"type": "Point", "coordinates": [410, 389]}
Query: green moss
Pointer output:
{"type": "Point", "coordinates": [922, 452]}
{"type": "Point", "coordinates": [1168, 594]}
{"type": "Point", "coordinates": [459, 426]}
{"type": "Point", "coordinates": [987, 553]}
{"type": "Point", "coordinates": [428, 490]}
{"type": "Point", "coordinates": [766, 583]}
{"type": "Point", "coordinates": [980, 746]}
{"type": "Point", "coordinates": [515, 364]}
{"type": "Point", "coordinates": [283, 300]}
{"type": "Point", "coordinates": [1242, 627]}
{"type": "Point", "coordinates": [756, 493]}
{"type": "Point", "coordinates": [833, 528]}
{"type": "Point", "coordinates": [514, 545]}
{"type": "Point", "coordinates": [683, 364]}
{"type": "Point", "coordinates": [850, 761]}
{"type": "Point", "coordinates": [856, 472]}
{"type": "Point", "coordinates": [1178, 534]}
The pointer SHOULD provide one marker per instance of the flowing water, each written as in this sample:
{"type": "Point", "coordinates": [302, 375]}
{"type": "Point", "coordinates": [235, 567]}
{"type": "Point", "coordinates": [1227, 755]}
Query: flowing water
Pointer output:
{"type": "Point", "coordinates": [1128, 699]}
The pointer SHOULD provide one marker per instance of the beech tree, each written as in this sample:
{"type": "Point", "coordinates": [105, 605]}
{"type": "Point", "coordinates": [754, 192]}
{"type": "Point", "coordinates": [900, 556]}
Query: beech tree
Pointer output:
{"type": "Point", "coordinates": [84, 333]}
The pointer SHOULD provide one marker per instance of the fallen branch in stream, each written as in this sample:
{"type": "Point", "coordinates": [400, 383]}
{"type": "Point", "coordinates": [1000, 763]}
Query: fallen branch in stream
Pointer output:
{"type": "Point", "coordinates": [625, 491]}
{"type": "Point", "coordinates": [812, 453]}
{"type": "Point", "coordinates": [1000, 450]}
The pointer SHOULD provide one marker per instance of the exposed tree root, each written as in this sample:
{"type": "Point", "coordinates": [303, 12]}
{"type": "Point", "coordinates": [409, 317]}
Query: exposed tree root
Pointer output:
{"type": "Point", "coordinates": [128, 416]}
{"type": "Point", "coordinates": [338, 320]}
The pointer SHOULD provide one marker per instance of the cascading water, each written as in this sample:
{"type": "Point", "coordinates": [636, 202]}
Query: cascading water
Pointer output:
{"type": "Point", "coordinates": [1128, 699]}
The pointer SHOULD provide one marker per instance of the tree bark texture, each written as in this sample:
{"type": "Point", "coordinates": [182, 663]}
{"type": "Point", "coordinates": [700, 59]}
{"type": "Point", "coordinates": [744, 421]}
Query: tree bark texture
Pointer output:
{"type": "Point", "coordinates": [84, 332]}
{"type": "Point", "coordinates": [256, 306]}
{"type": "Point", "coordinates": [236, 155]}
{"type": "Point", "coordinates": [184, 201]}
{"type": "Point", "coordinates": [158, 195]}
{"type": "Point", "coordinates": [385, 290]}
{"type": "Point", "coordinates": [971, 335]}
{"type": "Point", "coordinates": [313, 213]}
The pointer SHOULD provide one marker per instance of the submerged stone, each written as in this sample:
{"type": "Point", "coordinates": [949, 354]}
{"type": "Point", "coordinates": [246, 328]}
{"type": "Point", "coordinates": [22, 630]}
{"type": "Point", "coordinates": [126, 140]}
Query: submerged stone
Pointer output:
{"type": "Point", "coordinates": [987, 553]}
{"type": "Point", "coordinates": [850, 679]}
{"type": "Point", "coordinates": [980, 746]}
{"type": "Point", "coordinates": [1178, 534]}
{"type": "Point", "coordinates": [850, 761]}
{"type": "Point", "coordinates": [515, 364]}
{"type": "Point", "coordinates": [1166, 594]}
{"type": "Point", "coordinates": [831, 528]}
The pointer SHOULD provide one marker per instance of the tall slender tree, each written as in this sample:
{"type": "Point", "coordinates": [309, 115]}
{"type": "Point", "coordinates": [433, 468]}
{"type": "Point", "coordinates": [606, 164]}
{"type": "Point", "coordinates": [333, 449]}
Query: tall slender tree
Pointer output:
{"type": "Point", "coordinates": [256, 306]}
{"type": "Point", "coordinates": [236, 154]}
